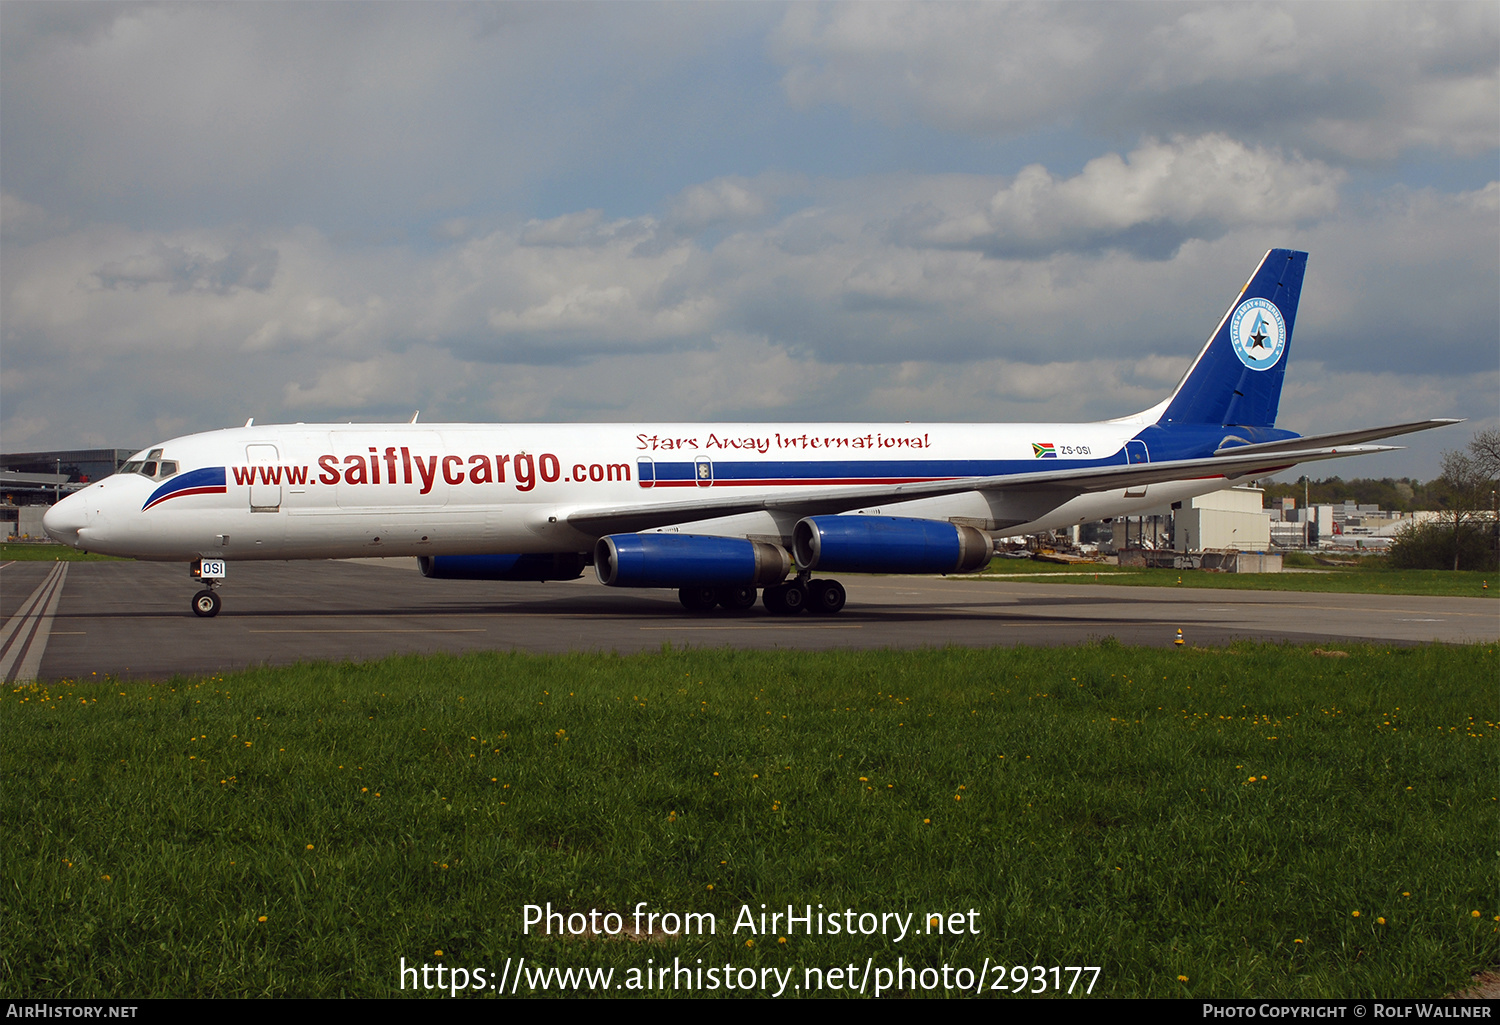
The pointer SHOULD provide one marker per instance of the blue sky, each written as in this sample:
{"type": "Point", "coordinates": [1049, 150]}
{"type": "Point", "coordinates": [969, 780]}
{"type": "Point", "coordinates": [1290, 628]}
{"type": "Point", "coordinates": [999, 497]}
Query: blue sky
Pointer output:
{"type": "Point", "coordinates": [736, 211]}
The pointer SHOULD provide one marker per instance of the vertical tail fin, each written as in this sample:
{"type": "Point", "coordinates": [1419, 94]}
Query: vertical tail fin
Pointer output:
{"type": "Point", "coordinates": [1236, 379]}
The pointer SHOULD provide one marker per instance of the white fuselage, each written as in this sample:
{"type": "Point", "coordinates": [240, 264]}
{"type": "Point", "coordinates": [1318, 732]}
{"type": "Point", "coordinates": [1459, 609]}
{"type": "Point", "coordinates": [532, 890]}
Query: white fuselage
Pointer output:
{"type": "Point", "coordinates": [336, 491]}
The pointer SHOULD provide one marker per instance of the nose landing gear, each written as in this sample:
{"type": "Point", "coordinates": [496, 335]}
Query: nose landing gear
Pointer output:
{"type": "Point", "coordinates": [211, 571]}
{"type": "Point", "coordinates": [206, 604]}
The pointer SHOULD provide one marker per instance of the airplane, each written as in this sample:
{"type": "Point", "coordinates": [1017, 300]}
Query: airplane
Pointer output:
{"type": "Point", "coordinates": [717, 511]}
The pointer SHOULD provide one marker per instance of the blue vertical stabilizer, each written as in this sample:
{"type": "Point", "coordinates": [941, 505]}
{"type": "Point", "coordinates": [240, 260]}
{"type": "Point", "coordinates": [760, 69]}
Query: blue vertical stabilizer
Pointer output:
{"type": "Point", "coordinates": [1236, 380]}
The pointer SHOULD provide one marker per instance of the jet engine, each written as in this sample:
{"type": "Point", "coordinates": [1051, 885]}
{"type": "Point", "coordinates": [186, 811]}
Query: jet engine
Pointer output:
{"type": "Point", "coordinates": [689, 560]}
{"type": "Point", "coordinates": [888, 544]}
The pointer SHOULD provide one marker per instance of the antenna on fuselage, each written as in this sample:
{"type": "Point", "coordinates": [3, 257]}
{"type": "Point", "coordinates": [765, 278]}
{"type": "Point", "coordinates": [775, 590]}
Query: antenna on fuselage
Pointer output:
{"type": "Point", "coordinates": [250, 422]}
{"type": "Point", "coordinates": [414, 417]}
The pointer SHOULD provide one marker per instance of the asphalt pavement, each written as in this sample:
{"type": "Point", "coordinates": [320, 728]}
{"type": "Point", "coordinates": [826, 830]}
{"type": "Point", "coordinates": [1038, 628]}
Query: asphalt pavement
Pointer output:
{"type": "Point", "coordinates": [133, 620]}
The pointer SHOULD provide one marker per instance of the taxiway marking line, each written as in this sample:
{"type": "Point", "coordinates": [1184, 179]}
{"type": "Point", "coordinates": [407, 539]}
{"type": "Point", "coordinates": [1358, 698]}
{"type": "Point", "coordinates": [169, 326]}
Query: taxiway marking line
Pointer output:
{"type": "Point", "coordinates": [774, 626]}
{"type": "Point", "coordinates": [31, 662]}
{"type": "Point", "coordinates": [27, 631]}
{"type": "Point", "coordinates": [473, 630]}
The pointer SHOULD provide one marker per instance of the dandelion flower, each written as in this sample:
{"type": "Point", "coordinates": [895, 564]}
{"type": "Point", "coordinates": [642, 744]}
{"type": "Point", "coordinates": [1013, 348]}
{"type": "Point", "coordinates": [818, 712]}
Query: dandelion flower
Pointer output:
{"type": "Point", "coordinates": [1356, 914]}
{"type": "Point", "coordinates": [437, 953]}
{"type": "Point", "coordinates": [1380, 921]}
{"type": "Point", "coordinates": [1474, 913]}
{"type": "Point", "coordinates": [262, 918]}
{"type": "Point", "coordinates": [309, 846]}
{"type": "Point", "coordinates": [1182, 978]}
{"type": "Point", "coordinates": [749, 943]}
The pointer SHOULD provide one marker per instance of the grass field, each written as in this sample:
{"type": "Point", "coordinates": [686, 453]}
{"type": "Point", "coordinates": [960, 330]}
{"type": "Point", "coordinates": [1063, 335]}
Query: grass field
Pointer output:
{"type": "Point", "coordinates": [1369, 576]}
{"type": "Point", "coordinates": [1261, 820]}
{"type": "Point", "coordinates": [42, 552]}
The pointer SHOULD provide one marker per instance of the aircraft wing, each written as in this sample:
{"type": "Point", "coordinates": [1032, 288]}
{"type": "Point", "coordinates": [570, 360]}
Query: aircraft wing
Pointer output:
{"type": "Point", "coordinates": [1342, 438]}
{"type": "Point", "coordinates": [1250, 461]}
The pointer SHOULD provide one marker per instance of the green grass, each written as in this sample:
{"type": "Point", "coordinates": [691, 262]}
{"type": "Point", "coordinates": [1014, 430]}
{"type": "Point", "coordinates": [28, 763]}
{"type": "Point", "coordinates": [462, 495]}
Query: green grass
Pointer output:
{"type": "Point", "coordinates": [47, 552]}
{"type": "Point", "coordinates": [1093, 806]}
{"type": "Point", "coordinates": [1368, 576]}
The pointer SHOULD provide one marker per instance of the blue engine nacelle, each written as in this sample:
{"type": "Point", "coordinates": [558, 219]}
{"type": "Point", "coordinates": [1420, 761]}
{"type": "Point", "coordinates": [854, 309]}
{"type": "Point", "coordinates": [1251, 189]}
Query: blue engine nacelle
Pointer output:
{"type": "Point", "coordinates": [888, 544]}
{"type": "Point", "coordinates": [688, 560]}
{"type": "Point", "coordinates": [534, 566]}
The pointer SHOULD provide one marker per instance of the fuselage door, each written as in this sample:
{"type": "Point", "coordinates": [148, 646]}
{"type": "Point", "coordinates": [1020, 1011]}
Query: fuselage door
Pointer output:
{"type": "Point", "coordinates": [265, 479]}
{"type": "Point", "coordinates": [645, 471]}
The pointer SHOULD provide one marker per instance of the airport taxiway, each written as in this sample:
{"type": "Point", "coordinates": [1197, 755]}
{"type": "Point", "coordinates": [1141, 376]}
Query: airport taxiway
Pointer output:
{"type": "Point", "coordinates": [132, 620]}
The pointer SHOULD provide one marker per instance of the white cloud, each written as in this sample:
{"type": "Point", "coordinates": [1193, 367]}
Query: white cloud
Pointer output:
{"type": "Point", "coordinates": [21, 221]}
{"type": "Point", "coordinates": [1150, 201]}
{"type": "Point", "coordinates": [1404, 280]}
{"type": "Point", "coordinates": [572, 212]}
{"type": "Point", "coordinates": [724, 201]}
{"type": "Point", "coordinates": [1367, 81]}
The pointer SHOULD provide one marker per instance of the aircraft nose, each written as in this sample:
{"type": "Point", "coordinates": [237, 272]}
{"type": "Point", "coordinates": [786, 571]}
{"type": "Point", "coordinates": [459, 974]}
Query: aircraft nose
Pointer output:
{"type": "Point", "coordinates": [65, 519]}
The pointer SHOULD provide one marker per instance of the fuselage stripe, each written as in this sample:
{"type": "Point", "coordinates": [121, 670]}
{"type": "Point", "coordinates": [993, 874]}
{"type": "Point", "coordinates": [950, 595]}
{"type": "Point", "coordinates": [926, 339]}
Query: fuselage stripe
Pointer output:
{"type": "Point", "coordinates": [213, 490]}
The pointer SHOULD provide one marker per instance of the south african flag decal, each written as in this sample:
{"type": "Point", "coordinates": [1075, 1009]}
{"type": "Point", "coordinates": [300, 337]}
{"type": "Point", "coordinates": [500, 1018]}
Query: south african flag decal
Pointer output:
{"type": "Point", "coordinates": [1047, 451]}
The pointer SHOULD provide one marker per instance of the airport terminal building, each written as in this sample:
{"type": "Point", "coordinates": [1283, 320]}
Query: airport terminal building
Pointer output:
{"type": "Point", "coordinates": [32, 481]}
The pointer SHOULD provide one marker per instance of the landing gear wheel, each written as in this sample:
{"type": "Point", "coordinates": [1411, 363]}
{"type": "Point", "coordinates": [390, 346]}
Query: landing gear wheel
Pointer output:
{"type": "Point", "coordinates": [698, 599]}
{"type": "Point", "coordinates": [786, 599]}
{"type": "Point", "coordinates": [737, 599]}
{"type": "Point", "coordinates": [206, 604]}
{"type": "Point", "coordinates": [825, 597]}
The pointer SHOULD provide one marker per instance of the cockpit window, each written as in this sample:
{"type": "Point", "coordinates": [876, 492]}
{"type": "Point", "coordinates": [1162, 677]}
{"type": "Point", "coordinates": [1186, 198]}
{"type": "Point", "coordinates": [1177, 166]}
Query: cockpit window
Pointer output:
{"type": "Point", "coordinates": [152, 466]}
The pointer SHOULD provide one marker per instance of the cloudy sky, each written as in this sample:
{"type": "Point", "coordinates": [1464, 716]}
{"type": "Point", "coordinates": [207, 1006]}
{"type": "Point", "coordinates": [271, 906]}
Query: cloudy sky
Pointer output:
{"type": "Point", "coordinates": [728, 211]}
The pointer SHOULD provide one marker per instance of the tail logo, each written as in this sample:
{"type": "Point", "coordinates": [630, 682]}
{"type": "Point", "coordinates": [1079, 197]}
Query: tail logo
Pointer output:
{"type": "Point", "coordinates": [1257, 333]}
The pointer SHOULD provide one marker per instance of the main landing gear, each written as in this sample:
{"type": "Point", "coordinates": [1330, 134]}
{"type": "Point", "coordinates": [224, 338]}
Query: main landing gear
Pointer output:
{"type": "Point", "coordinates": [817, 596]}
{"type": "Point", "coordinates": [706, 599]}
{"type": "Point", "coordinates": [821, 597]}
